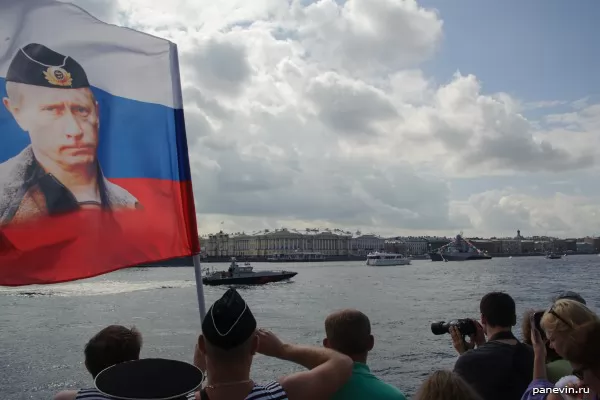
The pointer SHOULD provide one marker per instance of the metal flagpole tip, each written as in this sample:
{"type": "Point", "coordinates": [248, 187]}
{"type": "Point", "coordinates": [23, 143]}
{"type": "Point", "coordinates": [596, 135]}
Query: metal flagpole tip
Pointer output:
{"type": "Point", "coordinates": [149, 379]}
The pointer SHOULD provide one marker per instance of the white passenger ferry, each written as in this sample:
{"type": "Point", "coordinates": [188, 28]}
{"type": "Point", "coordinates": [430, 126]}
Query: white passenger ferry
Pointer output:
{"type": "Point", "coordinates": [377, 259]}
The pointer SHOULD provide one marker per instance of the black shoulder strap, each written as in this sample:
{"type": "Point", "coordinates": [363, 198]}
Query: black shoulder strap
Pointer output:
{"type": "Point", "coordinates": [204, 395]}
{"type": "Point", "coordinates": [504, 335]}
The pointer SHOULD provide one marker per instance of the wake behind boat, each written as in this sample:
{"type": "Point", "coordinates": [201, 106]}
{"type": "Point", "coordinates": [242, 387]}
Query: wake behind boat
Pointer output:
{"type": "Point", "coordinates": [378, 259]}
{"type": "Point", "coordinates": [245, 275]}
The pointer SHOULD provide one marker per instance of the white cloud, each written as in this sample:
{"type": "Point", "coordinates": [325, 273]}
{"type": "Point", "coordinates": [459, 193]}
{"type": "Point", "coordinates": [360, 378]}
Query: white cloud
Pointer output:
{"type": "Point", "coordinates": [218, 65]}
{"type": "Point", "coordinates": [318, 114]}
{"type": "Point", "coordinates": [505, 211]}
{"type": "Point", "coordinates": [367, 35]}
{"type": "Point", "coordinates": [349, 107]}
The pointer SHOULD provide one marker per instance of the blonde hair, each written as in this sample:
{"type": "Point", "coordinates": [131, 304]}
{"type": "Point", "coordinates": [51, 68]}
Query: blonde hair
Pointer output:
{"type": "Point", "coordinates": [585, 349]}
{"type": "Point", "coordinates": [565, 316]}
{"type": "Point", "coordinates": [445, 385]}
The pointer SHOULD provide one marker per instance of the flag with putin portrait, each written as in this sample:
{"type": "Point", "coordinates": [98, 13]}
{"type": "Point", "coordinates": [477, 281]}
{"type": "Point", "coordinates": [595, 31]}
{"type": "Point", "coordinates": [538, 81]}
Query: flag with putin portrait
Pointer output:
{"type": "Point", "coordinates": [94, 168]}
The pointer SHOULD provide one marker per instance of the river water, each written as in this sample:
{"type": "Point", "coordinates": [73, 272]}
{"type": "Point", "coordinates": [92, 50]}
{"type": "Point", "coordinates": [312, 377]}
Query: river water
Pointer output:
{"type": "Point", "coordinates": [43, 328]}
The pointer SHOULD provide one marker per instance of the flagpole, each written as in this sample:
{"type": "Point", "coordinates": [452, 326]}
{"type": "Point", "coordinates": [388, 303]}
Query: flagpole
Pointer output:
{"type": "Point", "coordinates": [178, 97]}
{"type": "Point", "coordinates": [199, 287]}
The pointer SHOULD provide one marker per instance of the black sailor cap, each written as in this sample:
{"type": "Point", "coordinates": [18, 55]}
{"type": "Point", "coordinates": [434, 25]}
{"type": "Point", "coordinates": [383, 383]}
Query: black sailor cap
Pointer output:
{"type": "Point", "coordinates": [149, 379]}
{"type": "Point", "coordinates": [229, 321]}
{"type": "Point", "coordinates": [36, 64]}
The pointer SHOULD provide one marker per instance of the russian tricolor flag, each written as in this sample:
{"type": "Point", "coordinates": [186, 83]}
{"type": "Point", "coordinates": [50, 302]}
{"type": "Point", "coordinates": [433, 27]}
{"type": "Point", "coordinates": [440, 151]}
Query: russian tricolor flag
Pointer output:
{"type": "Point", "coordinates": [54, 226]}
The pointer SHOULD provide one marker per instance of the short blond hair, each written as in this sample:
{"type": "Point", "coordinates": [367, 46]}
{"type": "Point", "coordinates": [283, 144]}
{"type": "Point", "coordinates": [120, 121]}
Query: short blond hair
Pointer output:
{"type": "Point", "coordinates": [348, 331]}
{"type": "Point", "coordinates": [565, 316]}
{"type": "Point", "coordinates": [446, 385]}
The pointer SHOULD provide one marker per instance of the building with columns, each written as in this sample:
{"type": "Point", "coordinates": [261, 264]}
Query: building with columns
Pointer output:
{"type": "Point", "coordinates": [416, 246]}
{"type": "Point", "coordinates": [217, 245]}
{"type": "Point", "coordinates": [412, 246]}
{"type": "Point", "coordinates": [361, 245]}
{"type": "Point", "coordinates": [329, 242]}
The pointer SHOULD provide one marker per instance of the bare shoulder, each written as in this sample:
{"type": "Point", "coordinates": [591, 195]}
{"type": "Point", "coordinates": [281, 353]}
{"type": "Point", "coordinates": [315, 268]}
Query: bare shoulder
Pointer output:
{"type": "Point", "coordinates": [66, 395]}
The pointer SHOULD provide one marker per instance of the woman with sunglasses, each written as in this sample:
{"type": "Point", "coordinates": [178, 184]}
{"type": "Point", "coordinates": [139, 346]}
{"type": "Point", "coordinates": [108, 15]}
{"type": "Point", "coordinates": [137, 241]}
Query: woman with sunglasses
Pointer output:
{"type": "Point", "coordinates": [559, 323]}
{"type": "Point", "coordinates": [561, 320]}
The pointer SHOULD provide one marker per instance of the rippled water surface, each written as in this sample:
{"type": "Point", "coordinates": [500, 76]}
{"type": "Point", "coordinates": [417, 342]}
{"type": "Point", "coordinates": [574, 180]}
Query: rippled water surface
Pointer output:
{"type": "Point", "coordinates": [43, 328]}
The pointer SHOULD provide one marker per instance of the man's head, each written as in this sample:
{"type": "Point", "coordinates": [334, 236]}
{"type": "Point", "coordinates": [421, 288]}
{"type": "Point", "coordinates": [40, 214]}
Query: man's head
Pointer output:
{"type": "Point", "coordinates": [498, 312]}
{"type": "Point", "coordinates": [49, 96]}
{"type": "Point", "coordinates": [349, 332]}
{"type": "Point", "coordinates": [569, 295]}
{"type": "Point", "coordinates": [229, 331]}
{"type": "Point", "coordinates": [112, 345]}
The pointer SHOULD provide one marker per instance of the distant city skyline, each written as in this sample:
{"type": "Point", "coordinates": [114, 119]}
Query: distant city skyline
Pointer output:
{"type": "Point", "coordinates": [359, 233]}
{"type": "Point", "coordinates": [471, 115]}
{"type": "Point", "coordinates": [312, 244]}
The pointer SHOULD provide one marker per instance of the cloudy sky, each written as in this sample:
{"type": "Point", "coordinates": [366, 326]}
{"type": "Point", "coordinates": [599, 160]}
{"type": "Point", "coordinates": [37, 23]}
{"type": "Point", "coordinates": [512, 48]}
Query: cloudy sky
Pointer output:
{"type": "Point", "coordinates": [388, 116]}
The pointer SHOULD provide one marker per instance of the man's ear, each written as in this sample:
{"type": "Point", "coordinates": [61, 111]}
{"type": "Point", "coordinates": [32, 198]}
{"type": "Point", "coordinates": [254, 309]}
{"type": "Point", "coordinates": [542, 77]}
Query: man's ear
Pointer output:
{"type": "Point", "coordinates": [202, 344]}
{"type": "Point", "coordinates": [371, 342]}
{"type": "Point", "coordinates": [326, 343]}
{"type": "Point", "coordinates": [14, 111]}
{"type": "Point", "coordinates": [255, 343]}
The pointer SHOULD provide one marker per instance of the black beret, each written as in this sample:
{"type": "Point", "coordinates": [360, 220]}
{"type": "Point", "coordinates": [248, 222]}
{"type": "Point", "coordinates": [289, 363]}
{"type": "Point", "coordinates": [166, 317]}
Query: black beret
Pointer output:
{"type": "Point", "coordinates": [37, 65]}
{"type": "Point", "coordinates": [229, 321]}
{"type": "Point", "coordinates": [149, 379]}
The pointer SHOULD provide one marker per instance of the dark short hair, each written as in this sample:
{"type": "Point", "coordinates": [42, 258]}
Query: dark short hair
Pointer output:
{"type": "Point", "coordinates": [112, 345]}
{"type": "Point", "coordinates": [570, 295]}
{"type": "Point", "coordinates": [230, 355]}
{"type": "Point", "coordinates": [499, 309]}
{"type": "Point", "coordinates": [348, 331]}
{"type": "Point", "coordinates": [526, 328]}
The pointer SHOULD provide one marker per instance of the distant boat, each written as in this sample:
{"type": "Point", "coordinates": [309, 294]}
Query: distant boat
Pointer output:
{"type": "Point", "coordinates": [459, 249]}
{"type": "Point", "coordinates": [553, 256]}
{"type": "Point", "coordinates": [245, 275]}
{"type": "Point", "coordinates": [378, 259]}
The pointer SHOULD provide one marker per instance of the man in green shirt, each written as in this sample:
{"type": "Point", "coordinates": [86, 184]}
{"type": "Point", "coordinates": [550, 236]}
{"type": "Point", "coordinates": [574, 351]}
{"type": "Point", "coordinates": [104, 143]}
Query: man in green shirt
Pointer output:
{"type": "Point", "coordinates": [349, 332]}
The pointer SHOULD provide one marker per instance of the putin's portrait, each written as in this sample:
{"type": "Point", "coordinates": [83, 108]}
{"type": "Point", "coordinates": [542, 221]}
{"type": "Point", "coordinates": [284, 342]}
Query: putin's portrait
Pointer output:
{"type": "Point", "coordinates": [50, 98]}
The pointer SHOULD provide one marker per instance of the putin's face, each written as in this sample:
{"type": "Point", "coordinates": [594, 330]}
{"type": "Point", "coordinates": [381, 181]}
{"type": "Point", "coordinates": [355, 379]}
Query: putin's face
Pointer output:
{"type": "Point", "coordinates": [62, 123]}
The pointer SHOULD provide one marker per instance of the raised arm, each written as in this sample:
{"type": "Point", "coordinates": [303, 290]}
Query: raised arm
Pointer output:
{"type": "Point", "coordinates": [328, 369]}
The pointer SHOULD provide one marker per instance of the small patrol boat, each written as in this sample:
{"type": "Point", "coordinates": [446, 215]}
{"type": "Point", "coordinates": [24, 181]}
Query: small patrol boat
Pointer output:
{"type": "Point", "coordinates": [236, 275]}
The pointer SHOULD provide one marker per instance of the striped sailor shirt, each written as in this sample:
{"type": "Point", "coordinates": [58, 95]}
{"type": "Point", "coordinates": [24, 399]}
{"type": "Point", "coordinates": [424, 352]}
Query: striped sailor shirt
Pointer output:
{"type": "Point", "coordinates": [271, 391]}
{"type": "Point", "coordinates": [95, 394]}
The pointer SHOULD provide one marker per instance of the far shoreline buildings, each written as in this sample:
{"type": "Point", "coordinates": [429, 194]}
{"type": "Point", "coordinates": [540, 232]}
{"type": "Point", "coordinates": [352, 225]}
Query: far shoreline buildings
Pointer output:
{"type": "Point", "coordinates": [339, 244]}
